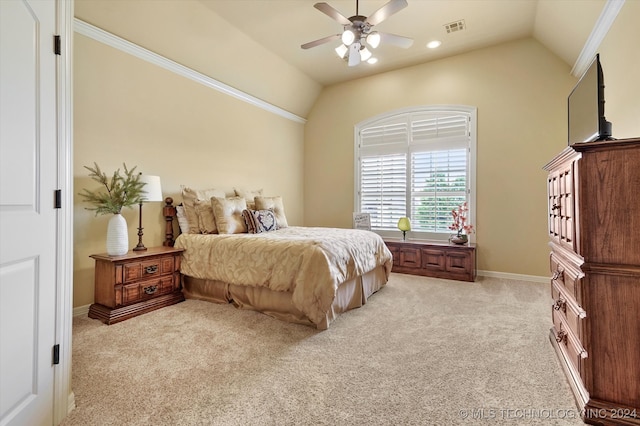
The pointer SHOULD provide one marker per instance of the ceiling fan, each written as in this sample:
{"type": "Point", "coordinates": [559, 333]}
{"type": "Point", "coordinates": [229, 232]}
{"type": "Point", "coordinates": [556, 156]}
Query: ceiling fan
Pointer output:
{"type": "Point", "coordinates": [358, 32]}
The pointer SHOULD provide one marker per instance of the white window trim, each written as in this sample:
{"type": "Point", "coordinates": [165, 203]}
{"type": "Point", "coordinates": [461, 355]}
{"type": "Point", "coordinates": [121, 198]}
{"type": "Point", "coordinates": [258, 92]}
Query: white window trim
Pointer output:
{"type": "Point", "coordinates": [473, 124]}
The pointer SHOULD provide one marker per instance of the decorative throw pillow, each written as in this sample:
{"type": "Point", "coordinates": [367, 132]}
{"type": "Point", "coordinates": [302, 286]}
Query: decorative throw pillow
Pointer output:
{"type": "Point", "coordinates": [183, 224]}
{"type": "Point", "coordinates": [228, 214]}
{"type": "Point", "coordinates": [189, 197]}
{"type": "Point", "coordinates": [275, 204]}
{"type": "Point", "coordinates": [259, 220]}
{"type": "Point", "coordinates": [248, 195]}
{"type": "Point", "coordinates": [206, 220]}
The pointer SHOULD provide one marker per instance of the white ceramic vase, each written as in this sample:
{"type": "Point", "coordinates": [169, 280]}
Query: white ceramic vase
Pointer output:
{"type": "Point", "coordinates": [117, 236]}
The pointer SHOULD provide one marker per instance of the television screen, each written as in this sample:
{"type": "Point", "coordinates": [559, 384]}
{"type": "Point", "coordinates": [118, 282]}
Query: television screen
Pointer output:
{"type": "Point", "coordinates": [586, 107]}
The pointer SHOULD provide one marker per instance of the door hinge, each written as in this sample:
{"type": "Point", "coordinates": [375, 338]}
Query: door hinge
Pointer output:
{"type": "Point", "coordinates": [57, 49]}
{"type": "Point", "coordinates": [57, 199]}
{"type": "Point", "coordinates": [56, 354]}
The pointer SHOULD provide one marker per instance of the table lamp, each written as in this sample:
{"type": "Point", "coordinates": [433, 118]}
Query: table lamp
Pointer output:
{"type": "Point", "coordinates": [152, 191]}
{"type": "Point", "coordinates": [404, 224]}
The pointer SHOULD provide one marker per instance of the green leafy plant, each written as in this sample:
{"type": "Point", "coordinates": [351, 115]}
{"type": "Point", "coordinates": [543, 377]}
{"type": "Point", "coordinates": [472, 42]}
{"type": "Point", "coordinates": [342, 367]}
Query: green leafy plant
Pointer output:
{"type": "Point", "coordinates": [119, 191]}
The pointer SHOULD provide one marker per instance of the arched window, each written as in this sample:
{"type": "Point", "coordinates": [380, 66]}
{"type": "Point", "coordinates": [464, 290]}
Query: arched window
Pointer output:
{"type": "Point", "coordinates": [417, 162]}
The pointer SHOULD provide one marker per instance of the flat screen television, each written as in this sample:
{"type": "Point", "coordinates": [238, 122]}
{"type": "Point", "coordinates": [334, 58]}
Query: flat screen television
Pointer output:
{"type": "Point", "coordinates": [586, 107]}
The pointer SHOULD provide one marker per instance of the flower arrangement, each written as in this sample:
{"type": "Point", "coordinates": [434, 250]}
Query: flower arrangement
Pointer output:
{"type": "Point", "coordinates": [121, 191]}
{"type": "Point", "coordinates": [460, 220]}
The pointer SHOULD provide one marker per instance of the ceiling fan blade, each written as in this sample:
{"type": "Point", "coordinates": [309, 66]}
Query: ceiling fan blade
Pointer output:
{"type": "Point", "coordinates": [396, 40]}
{"type": "Point", "coordinates": [354, 54]}
{"type": "Point", "coordinates": [387, 10]}
{"type": "Point", "coordinates": [320, 41]}
{"type": "Point", "coordinates": [332, 13]}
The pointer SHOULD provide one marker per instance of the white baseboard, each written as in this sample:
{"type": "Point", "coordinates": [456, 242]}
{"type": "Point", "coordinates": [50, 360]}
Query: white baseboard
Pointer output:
{"type": "Point", "coordinates": [81, 311]}
{"type": "Point", "coordinates": [509, 276]}
{"type": "Point", "coordinates": [71, 402]}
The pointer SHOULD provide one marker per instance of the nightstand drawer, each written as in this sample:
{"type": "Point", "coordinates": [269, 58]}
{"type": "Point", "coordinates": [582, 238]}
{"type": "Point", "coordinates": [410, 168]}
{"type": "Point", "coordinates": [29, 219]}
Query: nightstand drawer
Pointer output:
{"type": "Point", "coordinates": [147, 269]}
{"type": "Point", "coordinates": [133, 293]}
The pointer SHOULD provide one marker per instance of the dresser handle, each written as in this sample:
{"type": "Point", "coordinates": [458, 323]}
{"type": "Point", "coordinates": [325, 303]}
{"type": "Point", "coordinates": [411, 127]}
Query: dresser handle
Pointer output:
{"type": "Point", "coordinates": [558, 273]}
{"type": "Point", "coordinates": [151, 269]}
{"type": "Point", "coordinates": [561, 336]}
{"type": "Point", "coordinates": [555, 207]}
{"type": "Point", "coordinates": [151, 289]}
{"type": "Point", "coordinates": [560, 304]}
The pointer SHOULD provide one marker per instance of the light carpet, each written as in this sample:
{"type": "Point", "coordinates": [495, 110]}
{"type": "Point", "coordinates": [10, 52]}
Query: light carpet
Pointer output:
{"type": "Point", "coordinates": [422, 351]}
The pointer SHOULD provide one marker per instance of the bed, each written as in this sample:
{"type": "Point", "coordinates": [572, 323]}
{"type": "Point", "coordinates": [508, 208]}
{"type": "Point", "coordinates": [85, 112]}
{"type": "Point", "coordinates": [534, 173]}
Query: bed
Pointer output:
{"type": "Point", "coordinates": [304, 275]}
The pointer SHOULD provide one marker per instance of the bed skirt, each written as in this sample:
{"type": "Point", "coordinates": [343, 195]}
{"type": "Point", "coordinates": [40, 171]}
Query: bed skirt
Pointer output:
{"type": "Point", "coordinates": [349, 295]}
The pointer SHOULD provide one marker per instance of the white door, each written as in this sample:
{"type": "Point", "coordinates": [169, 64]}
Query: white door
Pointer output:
{"type": "Point", "coordinates": [28, 173]}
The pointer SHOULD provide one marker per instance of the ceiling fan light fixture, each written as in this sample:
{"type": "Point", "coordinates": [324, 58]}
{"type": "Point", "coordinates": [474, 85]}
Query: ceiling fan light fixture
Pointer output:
{"type": "Point", "coordinates": [342, 50]}
{"type": "Point", "coordinates": [365, 54]}
{"type": "Point", "coordinates": [348, 37]}
{"type": "Point", "coordinates": [373, 39]}
{"type": "Point", "coordinates": [372, 60]}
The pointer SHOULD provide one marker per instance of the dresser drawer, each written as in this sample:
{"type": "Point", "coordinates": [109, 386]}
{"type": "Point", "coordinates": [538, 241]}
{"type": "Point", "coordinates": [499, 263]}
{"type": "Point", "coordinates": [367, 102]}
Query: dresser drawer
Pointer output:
{"type": "Point", "coordinates": [566, 276]}
{"type": "Point", "coordinates": [567, 307]}
{"type": "Point", "coordinates": [142, 290]}
{"type": "Point", "coordinates": [147, 269]}
{"type": "Point", "coordinates": [568, 342]}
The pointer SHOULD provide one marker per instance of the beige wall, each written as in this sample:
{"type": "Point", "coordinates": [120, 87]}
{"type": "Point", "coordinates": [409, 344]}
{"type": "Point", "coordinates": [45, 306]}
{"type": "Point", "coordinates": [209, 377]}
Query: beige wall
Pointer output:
{"type": "Point", "coordinates": [620, 57]}
{"type": "Point", "coordinates": [128, 110]}
{"type": "Point", "coordinates": [520, 90]}
{"type": "Point", "coordinates": [189, 33]}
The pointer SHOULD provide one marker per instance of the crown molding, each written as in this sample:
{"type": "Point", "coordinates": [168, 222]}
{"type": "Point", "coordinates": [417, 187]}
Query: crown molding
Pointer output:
{"type": "Point", "coordinates": [133, 49]}
{"type": "Point", "coordinates": [599, 31]}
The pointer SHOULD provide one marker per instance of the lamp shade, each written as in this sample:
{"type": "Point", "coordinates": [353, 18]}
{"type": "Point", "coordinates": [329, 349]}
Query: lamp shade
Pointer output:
{"type": "Point", "coordinates": [342, 50]}
{"type": "Point", "coordinates": [373, 39]}
{"type": "Point", "coordinates": [348, 37]}
{"type": "Point", "coordinates": [404, 224]}
{"type": "Point", "coordinates": [152, 190]}
{"type": "Point", "coordinates": [365, 54]}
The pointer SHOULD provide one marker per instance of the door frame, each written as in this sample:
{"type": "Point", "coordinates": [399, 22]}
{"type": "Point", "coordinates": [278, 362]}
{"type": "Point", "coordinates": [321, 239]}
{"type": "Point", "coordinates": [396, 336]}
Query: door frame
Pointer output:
{"type": "Point", "coordinates": [64, 400]}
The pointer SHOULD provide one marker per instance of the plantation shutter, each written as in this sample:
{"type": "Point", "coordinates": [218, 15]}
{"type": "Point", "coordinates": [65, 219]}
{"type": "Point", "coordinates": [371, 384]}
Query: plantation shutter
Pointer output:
{"type": "Point", "coordinates": [383, 173]}
{"type": "Point", "coordinates": [414, 164]}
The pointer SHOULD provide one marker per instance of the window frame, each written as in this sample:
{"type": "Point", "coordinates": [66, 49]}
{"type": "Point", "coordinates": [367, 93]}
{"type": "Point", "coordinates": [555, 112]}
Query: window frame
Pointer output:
{"type": "Point", "coordinates": [394, 115]}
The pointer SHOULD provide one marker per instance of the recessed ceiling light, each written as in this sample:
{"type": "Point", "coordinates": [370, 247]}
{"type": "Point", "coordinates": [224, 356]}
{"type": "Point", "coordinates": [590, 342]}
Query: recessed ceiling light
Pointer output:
{"type": "Point", "coordinates": [433, 44]}
{"type": "Point", "coordinates": [372, 60]}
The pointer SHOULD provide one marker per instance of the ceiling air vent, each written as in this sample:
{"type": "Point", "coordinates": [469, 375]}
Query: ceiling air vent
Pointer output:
{"type": "Point", "coordinates": [455, 26]}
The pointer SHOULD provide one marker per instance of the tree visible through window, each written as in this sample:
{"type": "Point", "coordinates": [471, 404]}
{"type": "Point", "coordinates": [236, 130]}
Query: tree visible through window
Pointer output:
{"type": "Point", "coordinates": [416, 163]}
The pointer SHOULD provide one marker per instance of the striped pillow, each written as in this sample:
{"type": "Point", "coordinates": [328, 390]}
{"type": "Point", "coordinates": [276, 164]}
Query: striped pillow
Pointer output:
{"type": "Point", "coordinates": [259, 220]}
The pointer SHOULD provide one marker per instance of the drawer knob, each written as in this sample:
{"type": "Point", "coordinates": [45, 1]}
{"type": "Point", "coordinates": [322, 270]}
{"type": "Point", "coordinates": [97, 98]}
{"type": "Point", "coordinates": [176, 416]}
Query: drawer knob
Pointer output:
{"type": "Point", "coordinates": [560, 304]}
{"type": "Point", "coordinates": [151, 289]}
{"type": "Point", "coordinates": [555, 207]}
{"type": "Point", "coordinates": [151, 269]}
{"type": "Point", "coordinates": [561, 336]}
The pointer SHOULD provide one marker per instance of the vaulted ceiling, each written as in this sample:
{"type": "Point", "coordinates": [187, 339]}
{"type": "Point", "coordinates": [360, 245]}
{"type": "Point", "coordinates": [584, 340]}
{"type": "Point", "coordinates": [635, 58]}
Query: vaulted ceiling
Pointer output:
{"type": "Point", "coordinates": [282, 26]}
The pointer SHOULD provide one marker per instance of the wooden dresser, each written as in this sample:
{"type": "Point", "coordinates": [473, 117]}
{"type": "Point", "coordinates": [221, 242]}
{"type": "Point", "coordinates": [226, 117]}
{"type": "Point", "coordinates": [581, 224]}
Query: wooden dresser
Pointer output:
{"type": "Point", "coordinates": [135, 283]}
{"type": "Point", "coordinates": [440, 260]}
{"type": "Point", "coordinates": [594, 230]}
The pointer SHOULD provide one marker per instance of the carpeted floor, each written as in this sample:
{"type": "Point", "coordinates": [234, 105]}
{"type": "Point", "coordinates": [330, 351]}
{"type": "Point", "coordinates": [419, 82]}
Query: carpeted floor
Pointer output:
{"type": "Point", "coordinates": [422, 351]}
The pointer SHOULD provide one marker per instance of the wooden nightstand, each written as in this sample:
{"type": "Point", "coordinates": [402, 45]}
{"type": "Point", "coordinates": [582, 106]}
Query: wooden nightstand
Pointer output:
{"type": "Point", "coordinates": [135, 283]}
{"type": "Point", "coordinates": [440, 260]}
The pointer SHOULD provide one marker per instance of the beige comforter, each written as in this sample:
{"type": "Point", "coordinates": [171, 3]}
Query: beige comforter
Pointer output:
{"type": "Point", "coordinates": [308, 262]}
